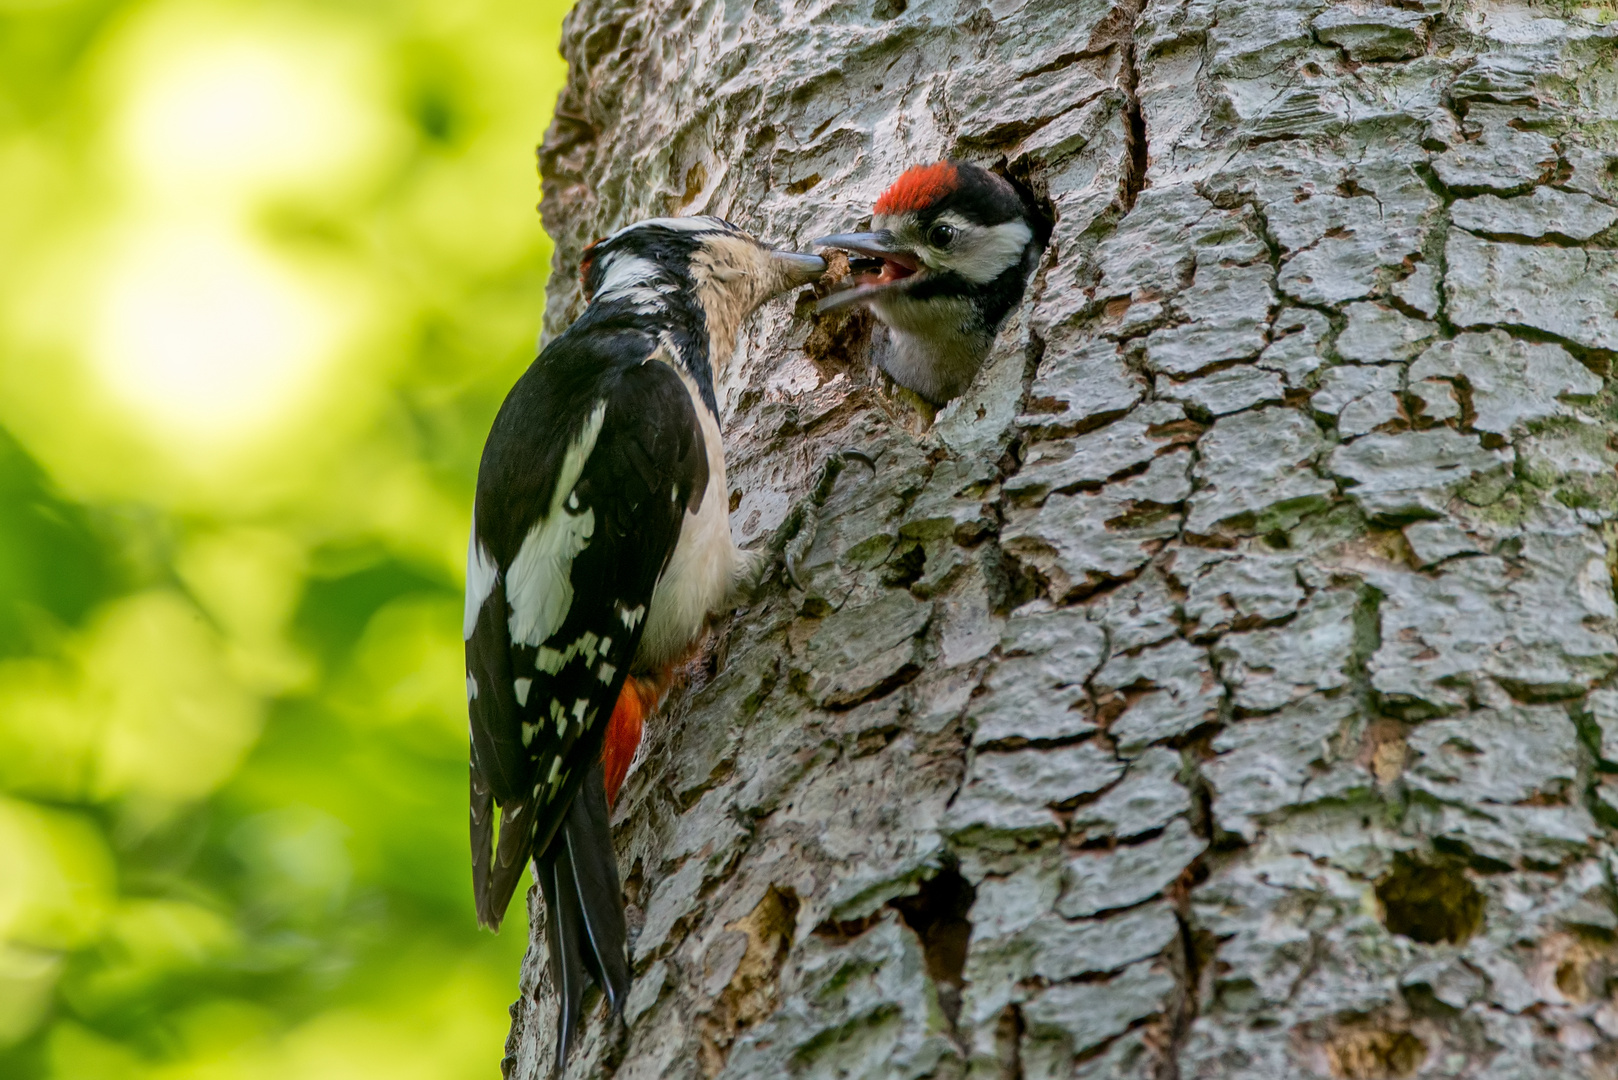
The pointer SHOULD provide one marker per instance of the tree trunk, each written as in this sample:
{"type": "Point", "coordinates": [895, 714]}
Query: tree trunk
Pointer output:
{"type": "Point", "coordinates": [1219, 688]}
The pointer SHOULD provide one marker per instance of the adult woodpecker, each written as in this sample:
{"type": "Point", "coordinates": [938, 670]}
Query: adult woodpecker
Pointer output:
{"type": "Point", "coordinates": [600, 543]}
{"type": "Point", "coordinates": [952, 245]}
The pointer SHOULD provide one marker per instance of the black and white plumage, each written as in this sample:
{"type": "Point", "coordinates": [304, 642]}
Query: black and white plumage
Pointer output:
{"type": "Point", "coordinates": [951, 248]}
{"type": "Point", "coordinates": [600, 543]}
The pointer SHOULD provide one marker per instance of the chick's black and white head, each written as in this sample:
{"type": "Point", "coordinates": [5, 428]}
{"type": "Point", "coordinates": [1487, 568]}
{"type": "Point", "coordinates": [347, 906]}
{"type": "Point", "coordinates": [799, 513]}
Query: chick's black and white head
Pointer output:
{"type": "Point", "coordinates": [699, 270]}
{"type": "Point", "coordinates": [948, 256]}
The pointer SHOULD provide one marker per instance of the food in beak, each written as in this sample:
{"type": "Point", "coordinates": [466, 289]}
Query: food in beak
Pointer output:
{"type": "Point", "coordinates": [875, 264]}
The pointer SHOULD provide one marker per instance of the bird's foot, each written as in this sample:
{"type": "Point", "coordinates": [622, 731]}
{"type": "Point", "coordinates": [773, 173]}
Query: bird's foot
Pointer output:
{"type": "Point", "coordinates": [795, 535]}
{"type": "Point", "coordinates": [795, 544]}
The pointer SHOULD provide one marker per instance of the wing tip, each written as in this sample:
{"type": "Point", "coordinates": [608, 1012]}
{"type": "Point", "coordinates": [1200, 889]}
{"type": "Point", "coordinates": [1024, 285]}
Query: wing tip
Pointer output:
{"type": "Point", "coordinates": [491, 908]}
{"type": "Point", "coordinates": [498, 862]}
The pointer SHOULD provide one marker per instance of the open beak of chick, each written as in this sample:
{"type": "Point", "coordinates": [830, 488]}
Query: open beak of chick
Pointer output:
{"type": "Point", "coordinates": [882, 265]}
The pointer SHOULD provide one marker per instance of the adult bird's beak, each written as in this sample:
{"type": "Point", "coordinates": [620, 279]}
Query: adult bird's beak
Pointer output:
{"type": "Point", "coordinates": [796, 268]}
{"type": "Point", "coordinates": [899, 265]}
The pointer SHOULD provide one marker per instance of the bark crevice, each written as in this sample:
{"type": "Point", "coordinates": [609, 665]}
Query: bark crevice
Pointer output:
{"type": "Point", "coordinates": [1266, 569]}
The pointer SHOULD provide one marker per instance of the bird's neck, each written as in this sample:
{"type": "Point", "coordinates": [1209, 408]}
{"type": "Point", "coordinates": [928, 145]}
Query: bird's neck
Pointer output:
{"type": "Point", "coordinates": [699, 355]}
{"type": "Point", "coordinates": [936, 344]}
{"type": "Point", "coordinates": [680, 327]}
{"type": "Point", "coordinates": [720, 322]}
{"type": "Point", "coordinates": [937, 364]}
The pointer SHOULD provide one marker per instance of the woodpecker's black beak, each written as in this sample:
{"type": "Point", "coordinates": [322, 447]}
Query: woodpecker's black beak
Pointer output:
{"type": "Point", "coordinates": [797, 268]}
{"type": "Point", "coordinates": [898, 266]}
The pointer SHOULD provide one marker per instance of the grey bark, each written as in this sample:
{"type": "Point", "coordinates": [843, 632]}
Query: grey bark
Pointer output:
{"type": "Point", "coordinates": [1224, 686]}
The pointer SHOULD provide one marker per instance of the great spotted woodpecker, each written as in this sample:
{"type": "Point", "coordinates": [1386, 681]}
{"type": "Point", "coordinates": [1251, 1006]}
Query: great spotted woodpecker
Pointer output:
{"type": "Point", "coordinates": [600, 543]}
{"type": "Point", "coordinates": [952, 245]}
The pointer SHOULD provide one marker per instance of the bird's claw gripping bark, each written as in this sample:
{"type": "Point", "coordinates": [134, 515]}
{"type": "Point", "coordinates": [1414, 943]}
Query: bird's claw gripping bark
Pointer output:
{"type": "Point", "coordinates": [802, 537]}
{"type": "Point", "coordinates": [804, 521]}
{"type": "Point", "coordinates": [796, 534]}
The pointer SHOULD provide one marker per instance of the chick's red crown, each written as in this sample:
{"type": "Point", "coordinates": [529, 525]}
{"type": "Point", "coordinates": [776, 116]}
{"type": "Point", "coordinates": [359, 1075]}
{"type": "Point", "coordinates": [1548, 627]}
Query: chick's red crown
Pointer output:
{"type": "Point", "coordinates": [918, 187]}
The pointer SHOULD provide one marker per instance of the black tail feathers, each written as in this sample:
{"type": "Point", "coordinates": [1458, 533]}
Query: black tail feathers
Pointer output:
{"type": "Point", "coordinates": [584, 909]}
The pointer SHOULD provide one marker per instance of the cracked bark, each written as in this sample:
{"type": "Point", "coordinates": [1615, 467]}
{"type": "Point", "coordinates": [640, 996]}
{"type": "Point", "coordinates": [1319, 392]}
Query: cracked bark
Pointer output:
{"type": "Point", "coordinates": [1224, 686]}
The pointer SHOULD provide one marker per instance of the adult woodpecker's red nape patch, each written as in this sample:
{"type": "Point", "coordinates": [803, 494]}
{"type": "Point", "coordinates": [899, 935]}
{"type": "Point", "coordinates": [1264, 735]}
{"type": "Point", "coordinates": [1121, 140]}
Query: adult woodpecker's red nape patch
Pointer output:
{"type": "Point", "coordinates": [638, 699]}
{"type": "Point", "coordinates": [584, 267]}
{"type": "Point", "coordinates": [919, 186]}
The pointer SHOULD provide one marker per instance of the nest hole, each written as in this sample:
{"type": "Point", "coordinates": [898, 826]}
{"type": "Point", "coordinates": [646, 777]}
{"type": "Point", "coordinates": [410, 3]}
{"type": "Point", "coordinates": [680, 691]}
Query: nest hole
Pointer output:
{"type": "Point", "coordinates": [1430, 903]}
{"type": "Point", "coordinates": [937, 913]}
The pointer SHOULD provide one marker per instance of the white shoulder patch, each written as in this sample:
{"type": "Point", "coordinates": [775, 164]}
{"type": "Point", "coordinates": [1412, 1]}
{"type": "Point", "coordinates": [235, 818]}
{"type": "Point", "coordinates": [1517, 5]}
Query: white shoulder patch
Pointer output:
{"type": "Point", "coordinates": [481, 574]}
{"type": "Point", "coordinates": [539, 584]}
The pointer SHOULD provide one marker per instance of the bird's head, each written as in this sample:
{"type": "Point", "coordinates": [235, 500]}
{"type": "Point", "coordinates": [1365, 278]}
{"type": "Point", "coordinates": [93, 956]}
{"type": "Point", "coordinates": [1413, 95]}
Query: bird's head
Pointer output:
{"type": "Point", "coordinates": [948, 255]}
{"type": "Point", "coordinates": [701, 266]}
{"type": "Point", "coordinates": [952, 229]}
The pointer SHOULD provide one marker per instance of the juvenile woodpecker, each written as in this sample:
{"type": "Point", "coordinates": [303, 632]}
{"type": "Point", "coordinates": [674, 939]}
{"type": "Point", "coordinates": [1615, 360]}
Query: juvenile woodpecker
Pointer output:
{"type": "Point", "coordinates": [600, 543]}
{"type": "Point", "coordinates": [950, 251]}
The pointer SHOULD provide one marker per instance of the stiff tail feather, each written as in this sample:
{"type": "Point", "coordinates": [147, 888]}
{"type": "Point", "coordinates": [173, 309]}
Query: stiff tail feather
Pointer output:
{"type": "Point", "coordinates": [584, 910]}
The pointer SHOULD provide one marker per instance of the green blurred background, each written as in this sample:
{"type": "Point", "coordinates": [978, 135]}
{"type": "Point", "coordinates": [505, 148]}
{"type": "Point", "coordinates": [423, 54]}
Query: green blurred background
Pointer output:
{"type": "Point", "coordinates": [266, 270]}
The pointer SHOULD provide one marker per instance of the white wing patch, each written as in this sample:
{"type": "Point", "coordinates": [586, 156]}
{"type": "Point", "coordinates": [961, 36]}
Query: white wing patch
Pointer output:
{"type": "Point", "coordinates": [539, 587]}
{"type": "Point", "coordinates": [481, 574]}
{"type": "Point", "coordinates": [520, 687]}
{"type": "Point", "coordinates": [550, 660]}
{"type": "Point", "coordinates": [539, 584]}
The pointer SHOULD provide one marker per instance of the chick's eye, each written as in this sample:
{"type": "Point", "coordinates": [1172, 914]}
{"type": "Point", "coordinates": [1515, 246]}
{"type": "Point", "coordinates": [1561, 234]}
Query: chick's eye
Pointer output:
{"type": "Point", "coordinates": [941, 236]}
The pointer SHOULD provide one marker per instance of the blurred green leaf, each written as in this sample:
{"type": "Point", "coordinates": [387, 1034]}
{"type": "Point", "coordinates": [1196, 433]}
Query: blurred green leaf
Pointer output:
{"type": "Point", "coordinates": [51, 559]}
{"type": "Point", "coordinates": [270, 270]}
